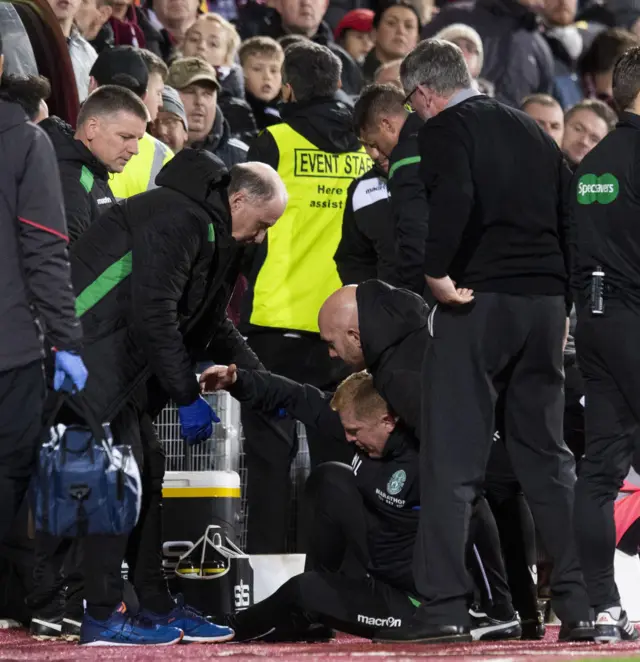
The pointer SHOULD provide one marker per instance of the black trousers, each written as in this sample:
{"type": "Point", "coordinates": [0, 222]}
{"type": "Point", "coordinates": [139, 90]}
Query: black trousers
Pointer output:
{"type": "Point", "coordinates": [271, 444]}
{"type": "Point", "coordinates": [516, 530]}
{"type": "Point", "coordinates": [336, 589]}
{"type": "Point", "coordinates": [22, 395]}
{"type": "Point", "coordinates": [504, 344]}
{"type": "Point", "coordinates": [609, 357]}
{"type": "Point", "coordinates": [90, 568]}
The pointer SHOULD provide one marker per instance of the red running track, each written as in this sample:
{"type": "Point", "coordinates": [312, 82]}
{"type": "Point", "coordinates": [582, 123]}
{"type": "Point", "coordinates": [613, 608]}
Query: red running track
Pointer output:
{"type": "Point", "coordinates": [16, 645]}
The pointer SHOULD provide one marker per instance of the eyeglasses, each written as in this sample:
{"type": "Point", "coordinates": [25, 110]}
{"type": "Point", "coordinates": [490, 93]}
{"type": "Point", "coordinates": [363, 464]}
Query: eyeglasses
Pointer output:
{"type": "Point", "coordinates": [407, 100]}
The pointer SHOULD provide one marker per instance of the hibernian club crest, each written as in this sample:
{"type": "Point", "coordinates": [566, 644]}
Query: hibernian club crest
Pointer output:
{"type": "Point", "coordinates": [396, 482]}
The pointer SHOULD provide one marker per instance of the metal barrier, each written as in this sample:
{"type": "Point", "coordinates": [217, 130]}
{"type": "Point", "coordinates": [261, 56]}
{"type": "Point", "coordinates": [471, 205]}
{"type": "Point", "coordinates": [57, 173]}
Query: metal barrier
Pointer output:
{"type": "Point", "coordinates": [224, 452]}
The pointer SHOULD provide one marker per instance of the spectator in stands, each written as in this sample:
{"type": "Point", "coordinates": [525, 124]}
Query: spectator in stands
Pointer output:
{"type": "Point", "coordinates": [92, 19]}
{"type": "Point", "coordinates": [140, 173]}
{"type": "Point", "coordinates": [505, 26]}
{"type": "Point", "coordinates": [304, 17]}
{"type": "Point", "coordinates": [110, 124]}
{"type": "Point", "coordinates": [389, 132]}
{"type": "Point", "coordinates": [261, 59]}
{"type": "Point", "coordinates": [469, 42]}
{"type": "Point", "coordinates": [567, 40]}
{"type": "Point", "coordinates": [585, 125]}
{"type": "Point", "coordinates": [83, 55]}
{"type": "Point", "coordinates": [36, 288]}
{"type": "Point", "coordinates": [396, 31]}
{"type": "Point", "coordinates": [547, 113]}
{"type": "Point", "coordinates": [197, 83]}
{"type": "Point", "coordinates": [172, 20]}
{"type": "Point", "coordinates": [389, 73]}
{"type": "Point", "coordinates": [353, 33]}
{"type": "Point", "coordinates": [171, 125]}
{"type": "Point", "coordinates": [130, 26]}
{"type": "Point", "coordinates": [294, 271]}
{"type": "Point", "coordinates": [30, 92]}
{"type": "Point", "coordinates": [595, 67]}
{"type": "Point", "coordinates": [216, 41]}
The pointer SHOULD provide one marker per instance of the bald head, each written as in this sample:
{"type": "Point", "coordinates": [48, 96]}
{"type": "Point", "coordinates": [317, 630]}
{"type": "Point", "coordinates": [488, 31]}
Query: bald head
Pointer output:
{"type": "Point", "coordinates": [339, 327]}
{"type": "Point", "coordinates": [257, 198]}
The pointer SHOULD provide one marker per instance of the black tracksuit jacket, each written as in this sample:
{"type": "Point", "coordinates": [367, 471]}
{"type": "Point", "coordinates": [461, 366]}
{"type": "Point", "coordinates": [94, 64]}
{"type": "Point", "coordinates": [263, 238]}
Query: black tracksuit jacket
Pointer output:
{"type": "Point", "coordinates": [409, 206]}
{"type": "Point", "coordinates": [35, 291]}
{"type": "Point", "coordinates": [153, 278]}
{"type": "Point", "coordinates": [366, 248]}
{"type": "Point", "coordinates": [85, 179]}
{"type": "Point", "coordinates": [394, 337]}
{"type": "Point", "coordinates": [497, 188]}
{"type": "Point", "coordinates": [605, 198]}
{"type": "Point", "coordinates": [393, 518]}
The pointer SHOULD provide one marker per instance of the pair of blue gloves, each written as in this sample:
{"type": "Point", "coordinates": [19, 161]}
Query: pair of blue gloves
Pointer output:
{"type": "Point", "coordinates": [70, 372]}
{"type": "Point", "coordinates": [196, 421]}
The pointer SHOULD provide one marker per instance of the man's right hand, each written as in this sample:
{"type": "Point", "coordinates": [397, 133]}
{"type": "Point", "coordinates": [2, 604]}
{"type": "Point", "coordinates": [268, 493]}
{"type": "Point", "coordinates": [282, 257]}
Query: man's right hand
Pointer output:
{"type": "Point", "coordinates": [218, 377]}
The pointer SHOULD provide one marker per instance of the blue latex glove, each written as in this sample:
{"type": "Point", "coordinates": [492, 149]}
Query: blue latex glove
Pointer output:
{"type": "Point", "coordinates": [196, 421]}
{"type": "Point", "coordinates": [70, 372]}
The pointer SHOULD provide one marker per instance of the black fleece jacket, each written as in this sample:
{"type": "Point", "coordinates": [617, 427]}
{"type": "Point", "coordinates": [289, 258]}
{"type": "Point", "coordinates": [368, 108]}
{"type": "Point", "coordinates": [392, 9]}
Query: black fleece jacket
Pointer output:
{"type": "Point", "coordinates": [85, 179]}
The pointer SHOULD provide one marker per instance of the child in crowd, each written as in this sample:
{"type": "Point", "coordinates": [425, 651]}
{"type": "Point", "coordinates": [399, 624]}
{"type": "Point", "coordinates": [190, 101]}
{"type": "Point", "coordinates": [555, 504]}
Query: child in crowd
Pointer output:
{"type": "Point", "coordinates": [261, 59]}
{"type": "Point", "coordinates": [215, 40]}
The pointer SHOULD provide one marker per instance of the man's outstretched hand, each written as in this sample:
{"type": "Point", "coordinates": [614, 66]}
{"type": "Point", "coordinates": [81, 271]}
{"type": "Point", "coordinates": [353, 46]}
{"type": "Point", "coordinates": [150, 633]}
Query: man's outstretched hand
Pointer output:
{"type": "Point", "coordinates": [445, 291]}
{"type": "Point", "coordinates": [218, 378]}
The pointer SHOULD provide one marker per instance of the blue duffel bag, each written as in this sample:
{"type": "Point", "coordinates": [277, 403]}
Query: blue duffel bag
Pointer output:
{"type": "Point", "coordinates": [85, 484]}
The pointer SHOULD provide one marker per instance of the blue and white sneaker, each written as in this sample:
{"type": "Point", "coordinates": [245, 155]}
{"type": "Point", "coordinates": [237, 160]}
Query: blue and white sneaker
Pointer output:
{"type": "Point", "coordinates": [121, 629]}
{"type": "Point", "coordinates": [195, 626]}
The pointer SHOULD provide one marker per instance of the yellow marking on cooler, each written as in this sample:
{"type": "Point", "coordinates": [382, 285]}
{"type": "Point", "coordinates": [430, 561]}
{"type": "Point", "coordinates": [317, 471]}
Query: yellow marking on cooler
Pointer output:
{"type": "Point", "coordinates": [191, 492]}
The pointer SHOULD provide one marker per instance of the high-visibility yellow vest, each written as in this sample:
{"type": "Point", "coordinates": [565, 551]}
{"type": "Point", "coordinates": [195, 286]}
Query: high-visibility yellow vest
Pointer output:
{"type": "Point", "coordinates": [299, 272]}
{"type": "Point", "coordinates": [139, 175]}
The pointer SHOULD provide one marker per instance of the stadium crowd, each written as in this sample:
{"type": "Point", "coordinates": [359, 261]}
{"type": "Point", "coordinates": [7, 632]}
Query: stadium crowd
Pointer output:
{"type": "Point", "coordinates": [262, 186]}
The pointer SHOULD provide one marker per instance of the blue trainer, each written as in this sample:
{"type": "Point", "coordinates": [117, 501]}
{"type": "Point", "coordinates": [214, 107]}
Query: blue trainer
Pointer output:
{"type": "Point", "coordinates": [195, 626]}
{"type": "Point", "coordinates": [121, 629]}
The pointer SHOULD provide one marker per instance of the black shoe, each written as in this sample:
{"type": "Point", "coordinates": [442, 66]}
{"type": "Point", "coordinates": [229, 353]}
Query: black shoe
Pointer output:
{"type": "Point", "coordinates": [533, 629]}
{"type": "Point", "coordinates": [609, 630]}
{"type": "Point", "coordinates": [485, 628]}
{"type": "Point", "coordinates": [314, 634]}
{"type": "Point", "coordinates": [578, 631]}
{"type": "Point", "coordinates": [424, 633]}
{"type": "Point", "coordinates": [46, 628]}
{"type": "Point", "coordinates": [71, 627]}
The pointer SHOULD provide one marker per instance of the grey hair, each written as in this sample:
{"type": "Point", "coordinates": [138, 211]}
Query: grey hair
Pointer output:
{"type": "Point", "coordinates": [257, 187]}
{"type": "Point", "coordinates": [438, 65]}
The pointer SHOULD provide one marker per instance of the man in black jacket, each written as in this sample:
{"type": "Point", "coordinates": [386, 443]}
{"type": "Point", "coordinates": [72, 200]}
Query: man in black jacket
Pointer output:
{"type": "Point", "coordinates": [491, 230]}
{"type": "Point", "coordinates": [606, 283]}
{"type": "Point", "coordinates": [317, 155]}
{"type": "Point", "coordinates": [110, 124]}
{"type": "Point", "coordinates": [389, 132]}
{"type": "Point", "coordinates": [366, 249]}
{"type": "Point", "coordinates": [361, 524]}
{"type": "Point", "coordinates": [36, 292]}
{"type": "Point", "coordinates": [153, 278]}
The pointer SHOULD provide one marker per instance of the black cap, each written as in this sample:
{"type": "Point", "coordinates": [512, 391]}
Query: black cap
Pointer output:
{"type": "Point", "coordinates": [123, 66]}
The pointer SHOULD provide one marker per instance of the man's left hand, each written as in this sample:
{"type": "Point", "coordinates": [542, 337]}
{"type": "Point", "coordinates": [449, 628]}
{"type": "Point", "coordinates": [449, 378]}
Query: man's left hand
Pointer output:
{"type": "Point", "coordinates": [445, 291]}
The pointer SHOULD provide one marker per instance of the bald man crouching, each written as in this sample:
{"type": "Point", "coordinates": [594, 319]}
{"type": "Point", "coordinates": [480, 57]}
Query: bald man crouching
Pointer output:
{"type": "Point", "coordinates": [152, 278]}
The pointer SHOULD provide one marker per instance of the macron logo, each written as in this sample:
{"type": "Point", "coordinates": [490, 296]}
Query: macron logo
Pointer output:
{"type": "Point", "coordinates": [104, 201]}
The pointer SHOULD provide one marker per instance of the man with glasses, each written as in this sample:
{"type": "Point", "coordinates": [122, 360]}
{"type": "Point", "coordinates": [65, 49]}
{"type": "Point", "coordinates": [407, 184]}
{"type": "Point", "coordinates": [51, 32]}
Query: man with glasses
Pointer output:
{"type": "Point", "coordinates": [496, 262]}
